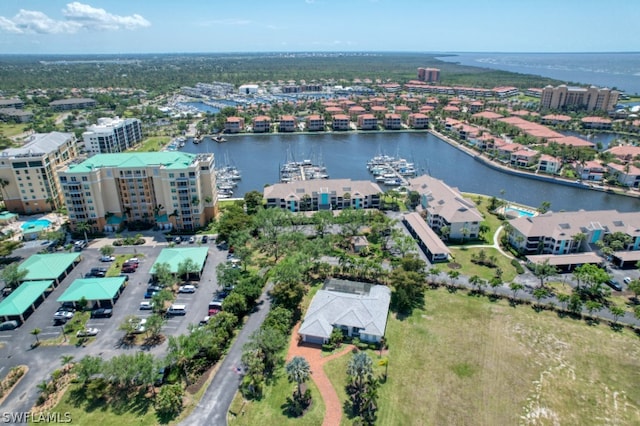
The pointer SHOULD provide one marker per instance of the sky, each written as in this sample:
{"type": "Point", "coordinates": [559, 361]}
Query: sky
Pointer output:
{"type": "Point", "coordinates": [163, 26]}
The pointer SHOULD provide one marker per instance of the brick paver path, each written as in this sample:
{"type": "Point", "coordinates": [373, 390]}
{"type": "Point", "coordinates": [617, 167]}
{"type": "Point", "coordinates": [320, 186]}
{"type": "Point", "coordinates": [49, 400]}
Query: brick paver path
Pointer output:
{"type": "Point", "coordinates": [313, 354]}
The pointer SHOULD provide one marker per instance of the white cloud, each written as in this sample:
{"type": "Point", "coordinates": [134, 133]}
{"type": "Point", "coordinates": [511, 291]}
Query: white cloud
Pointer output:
{"type": "Point", "coordinates": [77, 16]}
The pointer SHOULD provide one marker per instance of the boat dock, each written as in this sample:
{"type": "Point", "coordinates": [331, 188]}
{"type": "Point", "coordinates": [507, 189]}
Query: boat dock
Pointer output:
{"type": "Point", "coordinates": [294, 171]}
{"type": "Point", "coordinates": [391, 171]}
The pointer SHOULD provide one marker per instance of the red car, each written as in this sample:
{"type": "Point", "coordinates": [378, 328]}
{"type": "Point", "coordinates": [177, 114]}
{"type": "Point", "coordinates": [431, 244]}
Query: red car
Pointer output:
{"type": "Point", "coordinates": [128, 269]}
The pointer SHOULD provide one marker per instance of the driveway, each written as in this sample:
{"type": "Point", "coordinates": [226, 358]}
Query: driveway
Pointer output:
{"type": "Point", "coordinates": [215, 403]}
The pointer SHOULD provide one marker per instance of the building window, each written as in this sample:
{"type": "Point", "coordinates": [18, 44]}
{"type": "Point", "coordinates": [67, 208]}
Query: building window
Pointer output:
{"type": "Point", "coordinates": [84, 178]}
{"type": "Point", "coordinates": [171, 175]}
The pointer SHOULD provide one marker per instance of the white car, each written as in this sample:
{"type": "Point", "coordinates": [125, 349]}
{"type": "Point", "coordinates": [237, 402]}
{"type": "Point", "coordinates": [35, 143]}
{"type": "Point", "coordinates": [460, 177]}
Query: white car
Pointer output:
{"type": "Point", "coordinates": [139, 325]}
{"type": "Point", "coordinates": [626, 280]}
{"type": "Point", "coordinates": [134, 260]}
{"type": "Point", "coordinates": [87, 332]}
{"type": "Point", "coordinates": [146, 306]}
{"type": "Point", "coordinates": [62, 316]}
{"type": "Point", "coordinates": [187, 289]}
{"type": "Point", "coordinates": [107, 258]}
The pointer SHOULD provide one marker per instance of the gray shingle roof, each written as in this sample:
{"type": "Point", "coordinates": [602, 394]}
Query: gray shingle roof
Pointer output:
{"type": "Point", "coordinates": [331, 308]}
{"type": "Point", "coordinates": [445, 201]}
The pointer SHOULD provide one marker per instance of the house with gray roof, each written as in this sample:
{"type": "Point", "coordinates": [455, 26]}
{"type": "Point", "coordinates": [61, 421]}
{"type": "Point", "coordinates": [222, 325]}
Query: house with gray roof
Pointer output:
{"type": "Point", "coordinates": [446, 206]}
{"type": "Point", "coordinates": [358, 309]}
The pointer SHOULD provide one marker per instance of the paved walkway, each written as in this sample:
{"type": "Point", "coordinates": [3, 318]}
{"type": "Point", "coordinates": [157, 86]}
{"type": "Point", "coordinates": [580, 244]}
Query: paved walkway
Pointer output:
{"type": "Point", "coordinates": [313, 354]}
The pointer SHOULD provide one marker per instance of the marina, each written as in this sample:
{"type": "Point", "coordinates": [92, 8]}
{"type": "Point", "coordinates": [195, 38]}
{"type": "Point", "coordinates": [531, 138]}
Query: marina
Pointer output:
{"type": "Point", "coordinates": [391, 171]}
{"type": "Point", "coordinates": [293, 171]}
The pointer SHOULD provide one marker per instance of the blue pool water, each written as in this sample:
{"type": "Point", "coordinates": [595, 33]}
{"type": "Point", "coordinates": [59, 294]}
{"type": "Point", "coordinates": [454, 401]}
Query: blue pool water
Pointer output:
{"type": "Point", "coordinates": [44, 223]}
{"type": "Point", "coordinates": [519, 211]}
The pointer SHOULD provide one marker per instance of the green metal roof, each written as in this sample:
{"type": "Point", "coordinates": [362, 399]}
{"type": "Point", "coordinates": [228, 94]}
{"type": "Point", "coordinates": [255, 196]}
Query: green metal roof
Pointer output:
{"type": "Point", "coordinates": [175, 256]}
{"type": "Point", "coordinates": [4, 216]}
{"type": "Point", "coordinates": [92, 289]}
{"type": "Point", "coordinates": [136, 160]}
{"type": "Point", "coordinates": [47, 266]}
{"type": "Point", "coordinates": [22, 297]}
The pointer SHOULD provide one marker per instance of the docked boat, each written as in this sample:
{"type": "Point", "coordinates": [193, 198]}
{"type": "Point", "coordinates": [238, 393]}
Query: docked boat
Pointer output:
{"type": "Point", "coordinates": [219, 139]}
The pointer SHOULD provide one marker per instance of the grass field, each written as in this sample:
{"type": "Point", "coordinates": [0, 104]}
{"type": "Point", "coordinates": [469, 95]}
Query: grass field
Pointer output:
{"type": "Point", "coordinates": [12, 129]}
{"type": "Point", "coordinates": [269, 410]}
{"type": "Point", "coordinates": [467, 361]}
{"type": "Point", "coordinates": [155, 143]}
{"type": "Point", "coordinates": [463, 255]}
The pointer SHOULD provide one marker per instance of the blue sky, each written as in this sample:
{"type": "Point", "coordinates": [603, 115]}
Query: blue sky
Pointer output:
{"type": "Point", "coordinates": [158, 26]}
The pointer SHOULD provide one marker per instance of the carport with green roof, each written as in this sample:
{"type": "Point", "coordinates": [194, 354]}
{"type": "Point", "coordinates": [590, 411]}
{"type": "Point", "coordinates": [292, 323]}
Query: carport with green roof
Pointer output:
{"type": "Point", "coordinates": [175, 256]}
{"type": "Point", "coordinates": [54, 266]}
{"type": "Point", "coordinates": [103, 291]}
{"type": "Point", "coordinates": [24, 300]}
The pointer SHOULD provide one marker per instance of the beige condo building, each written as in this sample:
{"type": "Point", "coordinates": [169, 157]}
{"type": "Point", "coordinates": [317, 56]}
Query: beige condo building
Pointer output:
{"type": "Point", "coordinates": [591, 98]}
{"type": "Point", "coordinates": [171, 190]}
{"type": "Point", "coordinates": [29, 174]}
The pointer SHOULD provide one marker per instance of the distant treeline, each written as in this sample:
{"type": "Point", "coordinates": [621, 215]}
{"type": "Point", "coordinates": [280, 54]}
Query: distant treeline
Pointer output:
{"type": "Point", "coordinates": [161, 73]}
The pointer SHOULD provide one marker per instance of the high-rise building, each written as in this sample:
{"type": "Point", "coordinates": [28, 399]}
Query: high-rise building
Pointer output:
{"type": "Point", "coordinates": [112, 135]}
{"type": "Point", "coordinates": [430, 75]}
{"type": "Point", "coordinates": [591, 98]}
{"type": "Point", "coordinates": [166, 189]}
{"type": "Point", "coordinates": [29, 175]}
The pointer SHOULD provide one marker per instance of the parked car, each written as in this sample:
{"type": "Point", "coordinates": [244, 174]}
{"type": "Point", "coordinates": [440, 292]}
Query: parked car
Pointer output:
{"type": "Point", "coordinates": [192, 240]}
{"type": "Point", "coordinates": [107, 258]}
{"type": "Point", "coordinates": [150, 293]}
{"type": "Point", "coordinates": [133, 260]}
{"type": "Point", "coordinates": [177, 310]}
{"type": "Point", "coordinates": [129, 264]}
{"type": "Point", "coordinates": [79, 245]}
{"type": "Point", "coordinates": [128, 269]}
{"type": "Point", "coordinates": [9, 325]}
{"type": "Point", "coordinates": [187, 289]}
{"type": "Point", "coordinates": [63, 316]}
{"type": "Point", "coordinates": [66, 308]}
{"type": "Point", "coordinates": [626, 280]}
{"type": "Point", "coordinates": [614, 284]}
{"type": "Point", "coordinates": [101, 313]}
{"type": "Point", "coordinates": [87, 332]}
{"type": "Point", "coordinates": [205, 239]}
{"type": "Point", "coordinates": [204, 321]}
{"type": "Point", "coordinates": [163, 372]}
{"type": "Point", "coordinates": [154, 287]}
{"type": "Point", "coordinates": [215, 306]}
{"type": "Point", "coordinates": [177, 240]}
{"type": "Point", "coordinates": [140, 326]}
{"type": "Point", "coordinates": [146, 306]}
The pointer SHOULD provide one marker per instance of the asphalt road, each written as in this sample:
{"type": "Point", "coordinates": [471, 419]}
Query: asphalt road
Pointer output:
{"type": "Point", "coordinates": [215, 403]}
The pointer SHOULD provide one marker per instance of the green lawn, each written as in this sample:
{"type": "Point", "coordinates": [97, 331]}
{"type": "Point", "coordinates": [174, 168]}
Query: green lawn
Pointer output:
{"type": "Point", "coordinates": [11, 129]}
{"type": "Point", "coordinates": [467, 361]}
{"type": "Point", "coordinates": [269, 410]}
{"type": "Point", "coordinates": [154, 143]}
{"type": "Point", "coordinates": [462, 255]}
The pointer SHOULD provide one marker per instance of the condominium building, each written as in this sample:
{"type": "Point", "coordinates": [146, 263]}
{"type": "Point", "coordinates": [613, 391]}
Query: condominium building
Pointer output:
{"type": "Point", "coordinates": [418, 121]}
{"type": "Point", "coordinates": [261, 124]}
{"type": "Point", "coordinates": [315, 123]}
{"type": "Point", "coordinates": [287, 123]}
{"type": "Point", "coordinates": [321, 194]}
{"type": "Point", "coordinates": [558, 233]}
{"type": "Point", "coordinates": [341, 122]}
{"type": "Point", "coordinates": [29, 174]}
{"type": "Point", "coordinates": [112, 135]}
{"type": "Point", "coordinates": [429, 74]}
{"type": "Point", "coordinates": [392, 121]}
{"type": "Point", "coordinates": [166, 189]}
{"type": "Point", "coordinates": [591, 98]}
{"type": "Point", "coordinates": [367, 122]}
{"type": "Point", "coordinates": [446, 208]}
{"type": "Point", "coordinates": [72, 103]}
{"type": "Point", "coordinates": [234, 125]}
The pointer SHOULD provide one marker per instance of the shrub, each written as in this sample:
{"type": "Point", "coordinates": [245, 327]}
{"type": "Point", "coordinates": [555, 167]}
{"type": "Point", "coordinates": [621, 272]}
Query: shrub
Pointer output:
{"type": "Point", "coordinates": [517, 265]}
{"type": "Point", "coordinates": [328, 347]}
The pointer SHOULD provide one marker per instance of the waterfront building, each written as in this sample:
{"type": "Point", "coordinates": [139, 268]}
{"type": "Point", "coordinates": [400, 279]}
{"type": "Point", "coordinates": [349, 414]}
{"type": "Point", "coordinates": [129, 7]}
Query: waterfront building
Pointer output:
{"type": "Point", "coordinates": [625, 174]}
{"type": "Point", "coordinates": [523, 158]}
{"type": "Point", "coordinates": [429, 75]}
{"type": "Point", "coordinates": [234, 125]}
{"type": "Point", "coordinates": [625, 153]}
{"type": "Point", "coordinates": [367, 122]}
{"type": "Point", "coordinates": [555, 119]}
{"type": "Point", "coordinates": [287, 123]}
{"type": "Point", "coordinates": [356, 111]}
{"type": "Point", "coordinates": [261, 124]}
{"type": "Point", "coordinates": [555, 233]}
{"type": "Point", "coordinates": [445, 206]}
{"type": "Point", "coordinates": [323, 194]}
{"type": "Point", "coordinates": [591, 170]}
{"type": "Point", "coordinates": [168, 189]}
{"type": "Point", "coordinates": [315, 123]}
{"type": "Point", "coordinates": [418, 121]}
{"type": "Point", "coordinates": [341, 122]}
{"type": "Point", "coordinates": [549, 164]}
{"type": "Point", "coordinates": [488, 115]}
{"type": "Point", "coordinates": [31, 172]}
{"type": "Point", "coordinates": [392, 121]}
{"type": "Point", "coordinates": [598, 123]}
{"type": "Point", "coordinates": [591, 98]}
{"type": "Point", "coordinates": [72, 103]}
{"type": "Point", "coordinates": [112, 135]}
{"type": "Point", "coordinates": [505, 91]}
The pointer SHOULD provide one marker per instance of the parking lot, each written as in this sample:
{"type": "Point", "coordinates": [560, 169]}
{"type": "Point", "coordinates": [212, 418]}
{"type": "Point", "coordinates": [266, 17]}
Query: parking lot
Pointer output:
{"type": "Point", "coordinates": [109, 337]}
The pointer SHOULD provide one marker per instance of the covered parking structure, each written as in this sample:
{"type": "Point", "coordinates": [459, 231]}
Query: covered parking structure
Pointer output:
{"type": "Point", "coordinates": [428, 240]}
{"type": "Point", "coordinates": [100, 291]}
{"type": "Point", "coordinates": [175, 256]}
{"type": "Point", "coordinates": [626, 259]}
{"type": "Point", "coordinates": [566, 262]}
{"type": "Point", "coordinates": [54, 266]}
{"type": "Point", "coordinates": [24, 300]}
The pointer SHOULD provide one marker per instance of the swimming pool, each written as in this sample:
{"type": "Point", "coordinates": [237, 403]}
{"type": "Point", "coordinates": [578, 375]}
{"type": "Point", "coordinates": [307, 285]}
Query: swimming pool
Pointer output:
{"type": "Point", "coordinates": [39, 223]}
{"type": "Point", "coordinates": [518, 211]}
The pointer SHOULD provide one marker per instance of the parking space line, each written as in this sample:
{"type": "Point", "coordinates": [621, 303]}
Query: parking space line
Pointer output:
{"type": "Point", "coordinates": [6, 336]}
{"type": "Point", "coordinates": [50, 333]}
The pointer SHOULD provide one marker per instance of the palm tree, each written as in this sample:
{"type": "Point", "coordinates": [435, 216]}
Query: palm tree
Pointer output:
{"type": "Point", "coordinates": [298, 371]}
{"type": "Point", "coordinates": [35, 332]}
{"type": "Point", "coordinates": [359, 367]}
{"type": "Point", "coordinates": [3, 184]}
{"type": "Point", "coordinates": [84, 227]}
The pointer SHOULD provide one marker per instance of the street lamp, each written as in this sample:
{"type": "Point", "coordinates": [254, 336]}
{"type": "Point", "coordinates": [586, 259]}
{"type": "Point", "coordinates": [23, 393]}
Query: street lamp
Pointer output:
{"type": "Point", "coordinates": [63, 333]}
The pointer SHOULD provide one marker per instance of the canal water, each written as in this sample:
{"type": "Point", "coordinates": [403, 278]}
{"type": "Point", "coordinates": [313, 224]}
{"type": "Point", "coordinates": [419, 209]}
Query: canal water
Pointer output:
{"type": "Point", "coordinates": [258, 158]}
